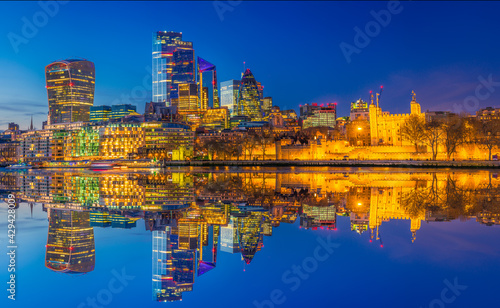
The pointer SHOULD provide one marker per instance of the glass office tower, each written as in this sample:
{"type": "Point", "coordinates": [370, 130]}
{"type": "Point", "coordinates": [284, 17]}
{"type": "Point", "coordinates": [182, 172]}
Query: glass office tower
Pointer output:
{"type": "Point", "coordinates": [249, 97]}
{"type": "Point", "coordinates": [229, 95]}
{"type": "Point", "coordinates": [70, 90]}
{"type": "Point", "coordinates": [173, 63]}
{"type": "Point", "coordinates": [207, 78]}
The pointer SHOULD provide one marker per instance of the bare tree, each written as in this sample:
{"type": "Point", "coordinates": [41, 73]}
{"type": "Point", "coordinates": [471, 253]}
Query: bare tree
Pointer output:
{"type": "Point", "coordinates": [434, 134]}
{"type": "Point", "coordinates": [413, 130]}
{"type": "Point", "coordinates": [488, 133]}
{"type": "Point", "coordinates": [249, 143]}
{"type": "Point", "coordinates": [454, 134]}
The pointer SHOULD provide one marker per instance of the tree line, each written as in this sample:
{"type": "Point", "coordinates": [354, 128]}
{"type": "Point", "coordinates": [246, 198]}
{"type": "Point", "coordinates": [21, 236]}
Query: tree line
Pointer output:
{"type": "Point", "coordinates": [451, 132]}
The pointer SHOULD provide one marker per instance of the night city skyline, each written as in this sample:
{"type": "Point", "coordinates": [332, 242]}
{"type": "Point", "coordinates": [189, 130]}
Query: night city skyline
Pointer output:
{"type": "Point", "coordinates": [443, 52]}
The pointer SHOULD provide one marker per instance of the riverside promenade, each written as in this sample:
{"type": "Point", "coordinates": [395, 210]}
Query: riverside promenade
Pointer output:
{"type": "Point", "coordinates": [342, 163]}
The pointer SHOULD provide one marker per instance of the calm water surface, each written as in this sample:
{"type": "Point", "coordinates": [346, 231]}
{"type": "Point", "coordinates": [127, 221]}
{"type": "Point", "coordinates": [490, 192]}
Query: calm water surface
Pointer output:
{"type": "Point", "coordinates": [291, 237]}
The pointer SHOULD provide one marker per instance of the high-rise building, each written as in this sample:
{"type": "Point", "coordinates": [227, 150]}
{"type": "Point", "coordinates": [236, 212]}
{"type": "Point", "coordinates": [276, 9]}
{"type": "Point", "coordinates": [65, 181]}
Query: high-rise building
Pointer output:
{"type": "Point", "coordinates": [229, 95]}
{"type": "Point", "coordinates": [173, 63]}
{"type": "Point", "coordinates": [120, 111]}
{"type": "Point", "coordinates": [267, 104]}
{"type": "Point", "coordinates": [70, 90]}
{"type": "Point", "coordinates": [100, 113]}
{"type": "Point", "coordinates": [186, 97]}
{"type": "Point", "coordinates": [207, 78]}
{"type": "Point", "coordinates": [249, 97]}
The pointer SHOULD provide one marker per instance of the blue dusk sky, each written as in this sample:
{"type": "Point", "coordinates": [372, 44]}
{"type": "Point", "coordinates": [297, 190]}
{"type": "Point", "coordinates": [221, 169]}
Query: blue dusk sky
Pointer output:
{"type": "Point", "coordinates": [445, 51]}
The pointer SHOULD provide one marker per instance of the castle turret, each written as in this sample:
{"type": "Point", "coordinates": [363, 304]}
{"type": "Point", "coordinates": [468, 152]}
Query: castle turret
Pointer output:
{"type": "Point", "coordinates": [415, 107]}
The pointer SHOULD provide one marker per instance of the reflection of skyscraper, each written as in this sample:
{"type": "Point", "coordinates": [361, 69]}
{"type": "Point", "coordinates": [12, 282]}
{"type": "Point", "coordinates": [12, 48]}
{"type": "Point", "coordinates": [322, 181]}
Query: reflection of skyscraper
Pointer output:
{"type": "Point", "coordinates": [173, 268]}
{"type": "Point", "coordinates": [249, 97]}
{"type": "Point", "coordinates": [208, 248]}
{"type": "Point", "coordinates": [70, 90]}
{"type": "Point", "coordinates": [173, 63]}
{"type": "Point", "coordinates": [229, 95]}
{"type": "Point", "coordinates": [229, 238]}
{"type": "Point", "coordinates": [70, 242]}
{"type": "Point", "coordinates": [250, 235]}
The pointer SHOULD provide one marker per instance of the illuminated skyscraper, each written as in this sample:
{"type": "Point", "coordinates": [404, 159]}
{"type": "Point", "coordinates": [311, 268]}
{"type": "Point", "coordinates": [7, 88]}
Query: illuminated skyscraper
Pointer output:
{"type": "Point", "coordinates": [229, 95]}
{"type": "Point", "coordinates": [249, 97]}
{"type": "Point", "coordinates": [185, 97]}
{"type": "Point", "coordinates": [70, 90]}
{"type": "Point", "coordinates": [267, 104]}
{"type": "Point", "coordinates": [207, 77]}
{"type": "Point", "coordinates": [173, 63]}
{"type": "Point", "coordinates": [70, 243]}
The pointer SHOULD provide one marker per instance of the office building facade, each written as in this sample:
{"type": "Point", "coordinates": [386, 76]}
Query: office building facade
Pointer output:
{"type": "Point", "coordinates": [70, 90]}
{"type": "Point", "coordinates": [229, 95]}
{"type": "Point", "coordinates": [173, 63]}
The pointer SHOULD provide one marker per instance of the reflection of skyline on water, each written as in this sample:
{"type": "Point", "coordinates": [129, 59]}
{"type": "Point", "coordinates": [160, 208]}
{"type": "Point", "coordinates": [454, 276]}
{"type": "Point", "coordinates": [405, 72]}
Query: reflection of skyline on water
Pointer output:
{"type": "Point", "coordinates": [195, 216]}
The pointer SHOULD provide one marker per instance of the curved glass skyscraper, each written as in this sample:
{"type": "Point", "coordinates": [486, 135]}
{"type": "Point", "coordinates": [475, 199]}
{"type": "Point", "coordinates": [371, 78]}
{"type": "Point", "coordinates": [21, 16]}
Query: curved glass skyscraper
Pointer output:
{"type": "Point", "coordinates": [70, 90]}
{"type": "Point", "coordinates": [249, 97]}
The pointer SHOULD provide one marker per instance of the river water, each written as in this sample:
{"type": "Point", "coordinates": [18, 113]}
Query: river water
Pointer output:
{"type": "Point", "coordinates": [254, 237]}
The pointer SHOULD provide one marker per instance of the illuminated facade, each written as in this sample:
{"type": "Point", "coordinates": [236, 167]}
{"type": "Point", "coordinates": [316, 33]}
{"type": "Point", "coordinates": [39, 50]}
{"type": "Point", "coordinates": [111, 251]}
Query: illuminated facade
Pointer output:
{"type": "Point", "coordinates": [70, 242]}
{"type": "Point", "coordinates": [267, 104]}
{"type": "Point", "coordinates": [207, 78]}
{"type": "Point", "coordinates": [170, 141]}
{"type": "Point", "coordinates": [120, 140]}
{"type": "Point", "coordinates": [100, 113]}
{"type": "Point", "coordinates": [488, 114]}
{"type": "Point", "coordinates": [229, 95]}
{"type": "Point", "coordinates": [70, 90]}
{"type": "Point", "coordinates": [249, 97]}
{"type": "Point", "coordinates": [385, 127]}
{"type": "Point", "coordinates": [322, 117]}
{"type": "Point", "coordinates": [120, 111]}
{"type": "Point", "coordinates": [82, 143]}
{"type": "Point", "coordinates": [173, 63]}
{"type": "Point", "coordinates": [216, 118]}
{"type": "Point", "coordinates": [36, 146]}
{"type": "Point", "coordinates": [186, 97]}
{"type": "Point", "coordinates": [359, 110]}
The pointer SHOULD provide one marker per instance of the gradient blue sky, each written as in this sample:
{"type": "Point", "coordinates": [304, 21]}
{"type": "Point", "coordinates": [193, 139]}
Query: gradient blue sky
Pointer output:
{"type": "Point", "coordinates": [438, 49]}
